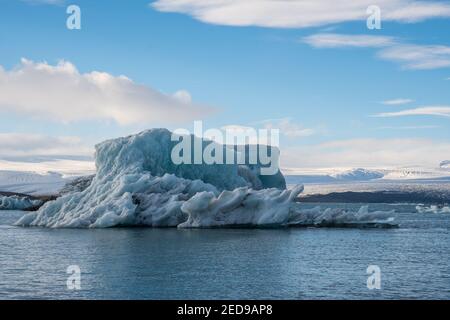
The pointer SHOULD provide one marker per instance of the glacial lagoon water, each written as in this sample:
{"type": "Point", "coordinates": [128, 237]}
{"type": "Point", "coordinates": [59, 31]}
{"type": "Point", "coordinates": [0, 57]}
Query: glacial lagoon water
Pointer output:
{"type": "Point", "coordinates": [309, 263]}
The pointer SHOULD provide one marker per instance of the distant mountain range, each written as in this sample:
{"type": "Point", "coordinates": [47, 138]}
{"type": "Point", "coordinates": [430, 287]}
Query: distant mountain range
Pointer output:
{"type": "Point", "coordinates": [341, 175]}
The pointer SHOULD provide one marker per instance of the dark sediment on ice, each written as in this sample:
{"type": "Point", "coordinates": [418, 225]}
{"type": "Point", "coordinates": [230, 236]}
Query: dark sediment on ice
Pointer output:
{"type": "Point", "coordinates": [43, 198]}
{"type": "Point", "coordinates": [76, 185]}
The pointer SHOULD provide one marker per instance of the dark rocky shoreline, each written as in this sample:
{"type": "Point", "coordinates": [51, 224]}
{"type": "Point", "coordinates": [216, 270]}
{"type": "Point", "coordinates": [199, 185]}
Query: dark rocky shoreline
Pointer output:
{"type": "Point", "coordinates": [377, 197]}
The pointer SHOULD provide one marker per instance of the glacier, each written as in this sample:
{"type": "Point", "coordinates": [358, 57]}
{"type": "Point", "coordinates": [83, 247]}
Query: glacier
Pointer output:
{"type": "Point", "coordinates": [137, 184]}
{"type": "Point", "coordinates": [31, 183]}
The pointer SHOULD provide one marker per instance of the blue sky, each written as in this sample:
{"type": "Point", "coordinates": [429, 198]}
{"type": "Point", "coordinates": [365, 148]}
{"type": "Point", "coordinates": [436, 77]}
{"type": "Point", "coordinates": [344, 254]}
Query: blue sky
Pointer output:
{"type": "Point", "coordinates": [321, 80]}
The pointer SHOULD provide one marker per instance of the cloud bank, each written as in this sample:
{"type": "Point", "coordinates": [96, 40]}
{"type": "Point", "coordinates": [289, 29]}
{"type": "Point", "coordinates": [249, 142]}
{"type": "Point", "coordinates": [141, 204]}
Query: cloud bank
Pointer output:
{"type": "Point", "coordinates": [367, 153]}
{"type": "Point", "coordinates": [333, 40]}
{"type": "Point", "coordinates": [395, 102]}
{"type": "Point", "coordinates": [439, 111]}
{"type": "Point", "coordinates": [285, 126]}
{"type": "Point", "coordinates": [410, 56]}
{"type": "Point", "coordinates": [418, 56]}
{"type": "Point", "coordinates": [288, 127]}
{"type": "Point", "coordinates": [60, 92]}
{"type": "Point", "coordinates": [22, 145]}
{"type": "Point", "coordinates": [53, 2]}
{"type": "Point", "coordinates": [300, 13]}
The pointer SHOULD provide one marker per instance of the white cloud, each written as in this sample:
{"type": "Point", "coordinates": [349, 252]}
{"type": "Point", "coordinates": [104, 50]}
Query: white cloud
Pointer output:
{"type": "Point", "coordinates": [236, 128]}
{"type": "Point", "coordinates": [398, 101]}
{"type": "Point", "coordinates": [53, 2]}
{"type": "Point", "coordinates": [300, 13]}
{"type": "Point", "coordinates": [415, 11]}
{"type": "Point", "coordinates": [410, 56]}
{"type": "Point", "coordinates": [418, 56]}
{"type": "Point", "coordinates": [62, 93]}
{"type": "Point", "coordinates": [245, 135]}
{"type": "Point", "coordinates": [285, 126]}
{"type": "Point", "coordinates": [367, 153]}
{"type": "Point", "coordinates": [332, 40]}
{"type": "Point", "coordinates": [408, 127]}
{"type": "Point", "coordinates": [288, 128]}
{"type": "Point", "coordinates": [440, 111]}
{"type": "Point", "coordinates": [183, 96]}
{"type": "Point", "coordinates": [25, 145]}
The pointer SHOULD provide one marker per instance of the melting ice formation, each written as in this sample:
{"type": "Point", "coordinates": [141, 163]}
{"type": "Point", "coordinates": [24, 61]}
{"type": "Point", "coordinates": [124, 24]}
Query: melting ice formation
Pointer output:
{"type": "Point", "coordinates": [138, 185]}
{"type": "Point", "coordinates": [432, 209]}
{"type": "Point", "coordinates": [17, 203]}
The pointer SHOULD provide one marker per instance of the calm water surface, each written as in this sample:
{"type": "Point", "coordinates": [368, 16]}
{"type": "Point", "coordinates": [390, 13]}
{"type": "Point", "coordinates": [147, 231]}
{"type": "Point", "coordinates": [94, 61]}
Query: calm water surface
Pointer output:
{"type": "Point", "coordinates": [310, 263]}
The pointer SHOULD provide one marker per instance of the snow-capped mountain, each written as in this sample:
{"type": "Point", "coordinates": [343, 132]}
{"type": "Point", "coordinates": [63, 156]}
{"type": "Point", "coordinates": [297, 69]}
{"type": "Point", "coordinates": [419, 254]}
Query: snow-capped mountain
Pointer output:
{"type": "Point", "coordinates": [338, 175]}
{"type": "Point", "coordinates": [358, 174]}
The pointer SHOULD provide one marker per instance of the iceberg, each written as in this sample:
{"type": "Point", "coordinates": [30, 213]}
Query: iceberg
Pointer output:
{"type": "Point", "coordinates": [137, 184]}
{"type": "Point", "coordinates": [432, 209]}
{"type": "Point", "coordinates": [15, 202]}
